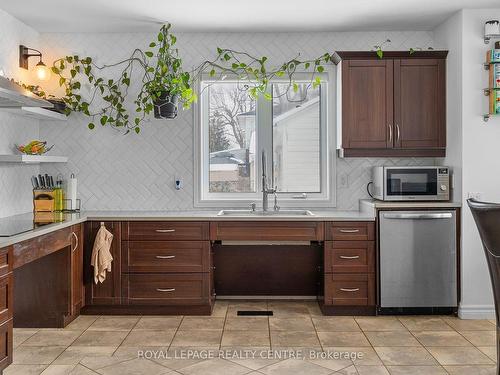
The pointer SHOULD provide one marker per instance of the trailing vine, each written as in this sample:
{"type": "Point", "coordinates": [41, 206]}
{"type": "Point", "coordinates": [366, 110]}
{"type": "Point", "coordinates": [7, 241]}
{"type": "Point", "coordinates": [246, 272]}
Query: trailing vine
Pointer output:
{"type": "Point", "coordinates": [162, 73]}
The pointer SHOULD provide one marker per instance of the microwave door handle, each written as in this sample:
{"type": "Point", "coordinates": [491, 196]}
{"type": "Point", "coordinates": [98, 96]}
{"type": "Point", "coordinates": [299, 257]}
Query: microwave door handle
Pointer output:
{"type": "Point", "coordinates": [424, 216]}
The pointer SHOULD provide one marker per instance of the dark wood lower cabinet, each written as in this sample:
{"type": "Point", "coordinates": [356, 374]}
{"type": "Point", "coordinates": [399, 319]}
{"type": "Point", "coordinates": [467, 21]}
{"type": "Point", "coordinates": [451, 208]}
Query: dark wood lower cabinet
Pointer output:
{"type": "Point", "coordinates": [350, 289]}
{"type": "Point", "coordinates": [349, 282]}
{"type": "Point", "coordinates": [166, 289]}
{"type": "Point", "coordinates": [267, 231]}
{"type": "Point", "coordinates": [6, 344]}
{"type": "Point", "coordinates": [77, 288]}
{"type": "Point", "coordinates": [158, 268]}
{"type": "Point", "coordinates": [108, 292]}
{"type": "Point", "coordinates": [165, 256]}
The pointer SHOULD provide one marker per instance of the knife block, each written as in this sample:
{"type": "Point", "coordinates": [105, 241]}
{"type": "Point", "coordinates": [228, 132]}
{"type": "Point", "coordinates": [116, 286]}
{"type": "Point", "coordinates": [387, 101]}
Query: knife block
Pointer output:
{"type": "Point", "coordinates": [43, 200]}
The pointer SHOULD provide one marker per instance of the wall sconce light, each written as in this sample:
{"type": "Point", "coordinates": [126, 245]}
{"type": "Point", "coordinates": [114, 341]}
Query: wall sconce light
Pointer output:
{"type": "Point", "coordinates": [41, 70]}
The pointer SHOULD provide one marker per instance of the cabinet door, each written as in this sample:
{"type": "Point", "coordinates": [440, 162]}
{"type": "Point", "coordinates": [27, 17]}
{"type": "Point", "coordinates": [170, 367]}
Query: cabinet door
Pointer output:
{"type": "Point", "coordinates": [419, 103]}
{"type": "Point", "coordinates": [6, 344]}
{"type": "Point", "coordinates": [108, 292]}
{"type": "Point", "coordinates": [76, 269]}
{"type": "Point", "coordinates": [367, 104]}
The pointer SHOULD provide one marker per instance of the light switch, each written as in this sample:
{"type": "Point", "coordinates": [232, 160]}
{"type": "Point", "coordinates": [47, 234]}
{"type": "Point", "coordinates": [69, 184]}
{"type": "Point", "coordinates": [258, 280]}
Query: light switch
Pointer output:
{"type": "Point", "coordinates": [344, 180]}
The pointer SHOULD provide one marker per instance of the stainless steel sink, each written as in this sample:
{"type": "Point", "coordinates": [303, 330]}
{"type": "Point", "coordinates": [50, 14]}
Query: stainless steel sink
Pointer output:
{"type": "Point", "coordinates": [265, 213]}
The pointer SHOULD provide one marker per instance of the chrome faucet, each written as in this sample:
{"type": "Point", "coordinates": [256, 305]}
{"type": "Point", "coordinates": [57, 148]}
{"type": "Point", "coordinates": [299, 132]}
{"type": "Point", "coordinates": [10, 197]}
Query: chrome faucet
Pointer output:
{"type": "Point", "coordinates": [265, 189]}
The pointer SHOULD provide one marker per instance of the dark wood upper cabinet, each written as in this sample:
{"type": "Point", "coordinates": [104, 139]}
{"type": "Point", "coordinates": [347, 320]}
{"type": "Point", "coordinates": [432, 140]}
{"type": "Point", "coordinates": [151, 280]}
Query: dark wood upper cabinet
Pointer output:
{"type": "Point", "coordinates": [394, 106]}
{"type": "Point", "coordinates": [419, 103]}
{"type": "Point", "coordinates": [367, 104]}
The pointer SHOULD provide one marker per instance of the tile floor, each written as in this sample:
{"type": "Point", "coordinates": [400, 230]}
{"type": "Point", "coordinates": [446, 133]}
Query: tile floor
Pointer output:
{"type": "Point", "coordinates": [297, 332]}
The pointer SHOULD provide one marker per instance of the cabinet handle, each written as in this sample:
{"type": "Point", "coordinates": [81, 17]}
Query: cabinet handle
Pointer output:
{"type": "Point", "coordinates": [165, 230]}
{"type": "Point", "coordinates": [76, 241]}
{"type": "Point", "coordinates": [349, 289]}
{"type": "Point", "coordinates": [165, 289]}
{"type": "Point", "coordinates": [390, 132]}
{"type": "Point", "coordinates": [349, 230]}
{"type": "Point", "coordinates": [349, 257]}
{"type": "Point", "coordinates": [165, 256]}
{"type": "Point", "coordinates": [397, 133]}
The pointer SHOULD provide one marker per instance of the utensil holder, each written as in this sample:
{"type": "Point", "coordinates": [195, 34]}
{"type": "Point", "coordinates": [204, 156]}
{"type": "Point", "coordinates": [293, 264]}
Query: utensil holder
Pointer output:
{"type": "Point", "coordinates": [43, 200]}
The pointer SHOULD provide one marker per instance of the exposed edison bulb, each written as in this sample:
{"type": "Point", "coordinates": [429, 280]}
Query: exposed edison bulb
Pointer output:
{"type": "Point", "coordinates": [42, 71]}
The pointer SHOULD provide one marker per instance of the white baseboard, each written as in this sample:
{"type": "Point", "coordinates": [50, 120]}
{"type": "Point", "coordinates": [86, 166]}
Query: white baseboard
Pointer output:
{"type": "Point", "coordinates": [476, 312]}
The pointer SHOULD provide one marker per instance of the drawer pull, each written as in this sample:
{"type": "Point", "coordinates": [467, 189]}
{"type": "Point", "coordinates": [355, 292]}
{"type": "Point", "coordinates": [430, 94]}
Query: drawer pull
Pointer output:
{"type": "Point", "coordinates": [349, 257]}
{"type": "Point", "coordinates": [76, 241]}
{"type": "Point", "coordinates": [165, 256]}
{"type": "Point", "coordinates": [349, 289]}
{"type": "Point", "coordinates": [165, 289]}
{"type": "Point", "coordinates": [349, 230]}
{"type": "Point", "coordinates": [165, 230]}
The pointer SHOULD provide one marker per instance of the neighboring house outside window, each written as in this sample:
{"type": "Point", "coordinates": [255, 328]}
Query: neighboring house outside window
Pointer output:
{"type": "Point", "coordinates": [295, 129]}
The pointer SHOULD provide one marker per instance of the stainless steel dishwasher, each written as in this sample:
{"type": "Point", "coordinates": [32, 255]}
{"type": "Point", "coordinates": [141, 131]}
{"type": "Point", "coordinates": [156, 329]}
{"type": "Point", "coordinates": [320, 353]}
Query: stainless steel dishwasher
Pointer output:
{"type": "Point", "coordinates": [418, 260]}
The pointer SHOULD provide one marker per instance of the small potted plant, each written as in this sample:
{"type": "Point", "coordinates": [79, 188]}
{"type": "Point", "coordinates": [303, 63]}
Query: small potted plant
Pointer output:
{"type": "Point", "coordinates": [166, 83]}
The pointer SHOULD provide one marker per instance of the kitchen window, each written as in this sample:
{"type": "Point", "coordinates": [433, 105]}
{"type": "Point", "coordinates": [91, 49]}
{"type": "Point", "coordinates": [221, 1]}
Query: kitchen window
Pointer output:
{"type": "Point", "coordinates": [294, 129]}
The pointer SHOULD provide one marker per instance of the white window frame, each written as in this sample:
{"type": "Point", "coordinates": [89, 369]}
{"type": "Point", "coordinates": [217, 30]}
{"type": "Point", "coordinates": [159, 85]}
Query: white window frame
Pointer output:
{"type": "Point", "coordinates": [325, 199]}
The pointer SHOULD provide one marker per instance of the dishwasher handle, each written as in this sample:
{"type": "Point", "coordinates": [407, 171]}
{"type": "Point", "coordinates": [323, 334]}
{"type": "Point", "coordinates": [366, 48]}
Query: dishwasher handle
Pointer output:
{"type": "Point", "coordinates": [419, 216]}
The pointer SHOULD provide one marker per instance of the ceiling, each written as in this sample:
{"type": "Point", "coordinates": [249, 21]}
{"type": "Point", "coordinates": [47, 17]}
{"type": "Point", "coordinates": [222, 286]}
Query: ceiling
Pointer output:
{"type": "Point", "coordinates": [236, 15]}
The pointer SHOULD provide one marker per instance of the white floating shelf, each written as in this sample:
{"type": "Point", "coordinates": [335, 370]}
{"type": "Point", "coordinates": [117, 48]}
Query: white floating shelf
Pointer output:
{"type": "Point", "coordinates": [32, 159]}
{"type": "Point", "coordinates": [37, 112]}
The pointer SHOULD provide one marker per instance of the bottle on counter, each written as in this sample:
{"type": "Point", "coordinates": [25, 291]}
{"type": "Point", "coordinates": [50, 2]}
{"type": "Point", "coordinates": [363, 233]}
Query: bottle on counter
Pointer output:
{"type": "Point", "coordinates": [59, 195]}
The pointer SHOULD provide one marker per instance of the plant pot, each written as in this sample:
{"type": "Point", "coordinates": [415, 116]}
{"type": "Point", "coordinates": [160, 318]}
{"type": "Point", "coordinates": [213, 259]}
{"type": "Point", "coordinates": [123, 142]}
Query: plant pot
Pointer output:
{"type": "Point", "coordinates": [166, 106]}
{"type": "Point", "coordinates": [59, 105]}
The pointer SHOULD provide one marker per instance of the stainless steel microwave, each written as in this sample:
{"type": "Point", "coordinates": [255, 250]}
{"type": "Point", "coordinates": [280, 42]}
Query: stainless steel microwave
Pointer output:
{"type": "Point", "coordinates": [411, 183]}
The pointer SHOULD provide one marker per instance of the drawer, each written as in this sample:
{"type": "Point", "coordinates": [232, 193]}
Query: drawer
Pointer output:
{"type": "Point", "coordinates": [267, 231]}
{"type": "Point", "coordinates": [166, 289]}
{"type": "Point", "coordinates": [6, 307]}
{"type": "Point", "coordinates": [166, 256]}
{"type": "Point", "coordinates": [350, 231]}
{"type": "Point", "coordinates": [349, 256]}
{"type": "Point", "coordinates": [164, 230]}
{"type": "Point", "coordinates": [350, 289]}
{"type": "Point", "coordinates": [6, 344]}
{"type": "Point", "coordinates": [5, 260]}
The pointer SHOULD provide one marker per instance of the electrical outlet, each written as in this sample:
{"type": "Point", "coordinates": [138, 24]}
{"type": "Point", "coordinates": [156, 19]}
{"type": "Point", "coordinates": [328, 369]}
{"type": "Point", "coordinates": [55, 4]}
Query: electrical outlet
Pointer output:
{"type": "Point", "coordinates": [474, 195]}
{"type": "Point", "coordinates": [178, 183]}
{"type": "Point", "coordinates": [344, 180]}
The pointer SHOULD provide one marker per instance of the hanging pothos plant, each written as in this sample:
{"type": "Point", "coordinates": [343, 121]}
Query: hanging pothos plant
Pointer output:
{"type": "Point", "coordinates": [164, 83]}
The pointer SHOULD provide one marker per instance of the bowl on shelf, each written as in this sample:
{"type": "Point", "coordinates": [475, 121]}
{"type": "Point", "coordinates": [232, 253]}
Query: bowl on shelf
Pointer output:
{"type": "Point", "coordinates": [34, 148]}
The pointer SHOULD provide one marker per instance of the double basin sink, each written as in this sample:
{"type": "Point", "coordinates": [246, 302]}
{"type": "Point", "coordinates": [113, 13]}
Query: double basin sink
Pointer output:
{"type": "Point", "coordinates": [265, 213]}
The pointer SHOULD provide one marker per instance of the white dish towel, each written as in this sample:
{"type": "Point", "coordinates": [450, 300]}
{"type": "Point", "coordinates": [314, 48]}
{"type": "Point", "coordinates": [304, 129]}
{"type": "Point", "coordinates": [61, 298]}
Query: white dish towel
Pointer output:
{"type": "Point", "coordinates": [101, 255]}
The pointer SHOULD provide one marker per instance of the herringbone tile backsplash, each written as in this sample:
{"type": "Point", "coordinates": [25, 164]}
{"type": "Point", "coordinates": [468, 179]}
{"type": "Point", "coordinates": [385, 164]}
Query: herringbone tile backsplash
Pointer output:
{"type": "Point", "coordinates": [136, 172]}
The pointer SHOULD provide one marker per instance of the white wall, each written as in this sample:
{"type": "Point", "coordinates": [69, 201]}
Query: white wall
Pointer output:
{"type": "Point", "coordinates": [15, 185]}
{"type": "Point", "coordinates": [448, 36]}
{"type": "Point", "coordinates": [472, 144]}
{"type": "Point", "coordinates": [481, 159]}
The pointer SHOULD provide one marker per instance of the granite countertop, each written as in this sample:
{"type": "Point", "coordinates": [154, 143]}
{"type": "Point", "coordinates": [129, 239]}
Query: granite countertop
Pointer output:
{"type": "Point", "coordinates": [319, 215]}
{"type": "Point", "coordinates": [66, 220]}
